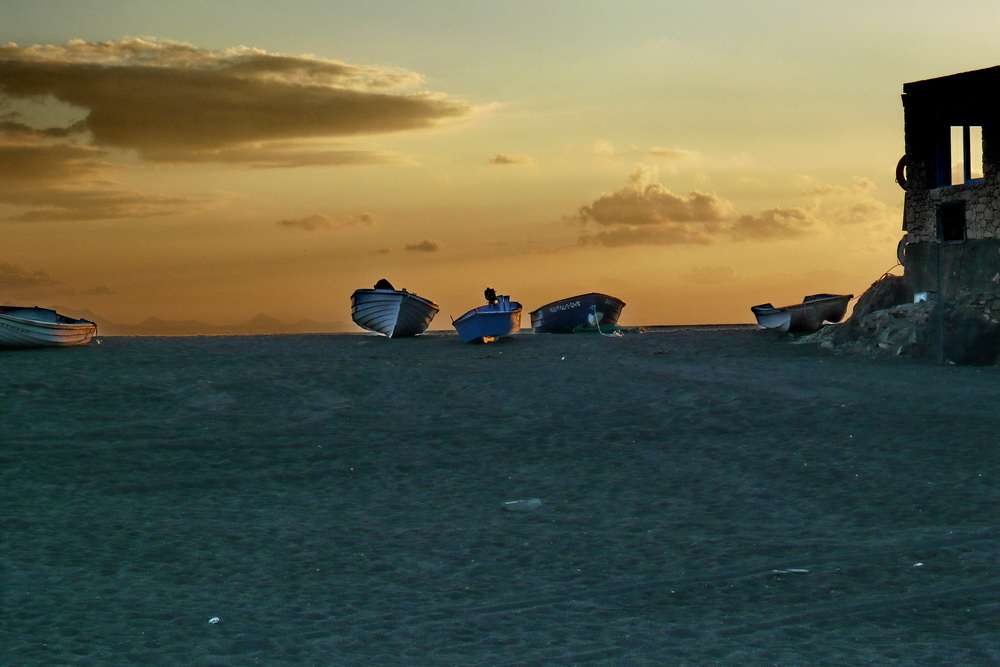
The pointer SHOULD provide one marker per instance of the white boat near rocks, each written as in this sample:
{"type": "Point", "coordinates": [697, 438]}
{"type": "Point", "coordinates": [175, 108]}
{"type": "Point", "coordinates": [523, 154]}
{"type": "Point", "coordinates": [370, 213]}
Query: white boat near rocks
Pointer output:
{"type": "Point", "coordinates": [22, 327]}
{"type": "Point", "coordinates": [805, 317]}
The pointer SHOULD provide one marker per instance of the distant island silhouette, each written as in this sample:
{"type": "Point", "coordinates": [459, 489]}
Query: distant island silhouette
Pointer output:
{"type": "Point", "coordinates": [257, 325]}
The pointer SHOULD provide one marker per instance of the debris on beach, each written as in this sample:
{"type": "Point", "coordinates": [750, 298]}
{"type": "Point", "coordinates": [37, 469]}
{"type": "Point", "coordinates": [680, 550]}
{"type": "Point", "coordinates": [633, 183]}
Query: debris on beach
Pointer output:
{"type": "Point", "coordinates": [529, 505]}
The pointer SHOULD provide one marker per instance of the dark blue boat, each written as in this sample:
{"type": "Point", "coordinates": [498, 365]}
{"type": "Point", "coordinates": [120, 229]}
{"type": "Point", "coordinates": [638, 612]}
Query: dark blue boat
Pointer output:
{"type": "Point", "coordinates": [586, 312]}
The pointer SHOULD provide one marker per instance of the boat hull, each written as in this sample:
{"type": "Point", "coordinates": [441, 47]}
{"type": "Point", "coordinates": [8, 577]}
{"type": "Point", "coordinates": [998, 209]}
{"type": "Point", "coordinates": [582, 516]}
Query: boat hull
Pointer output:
{"type": "Point", "coordinates": [586, 312]}
{"type": "Point", "coordinates": [392, 313]}
{"type": "Point", "coordinates": [806, 317]}
{"type": "Point", "coordinates": [488, 323]}
{"type": "Point", "coordinates": [41, 327]}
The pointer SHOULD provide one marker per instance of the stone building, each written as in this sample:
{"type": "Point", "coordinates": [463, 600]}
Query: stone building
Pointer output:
{"type": "Point", "coordinates": [951, 174]}
{"type": "Point", "coordinates": [951, 245]}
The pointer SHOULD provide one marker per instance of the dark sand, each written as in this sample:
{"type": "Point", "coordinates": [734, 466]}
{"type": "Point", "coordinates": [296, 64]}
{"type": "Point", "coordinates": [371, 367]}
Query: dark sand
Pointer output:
{"type": "Point", "coordinates": [708, 497]}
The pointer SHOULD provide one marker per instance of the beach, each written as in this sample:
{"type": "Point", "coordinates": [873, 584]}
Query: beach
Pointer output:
{"type": "Point", "coordinates": [692, 496]}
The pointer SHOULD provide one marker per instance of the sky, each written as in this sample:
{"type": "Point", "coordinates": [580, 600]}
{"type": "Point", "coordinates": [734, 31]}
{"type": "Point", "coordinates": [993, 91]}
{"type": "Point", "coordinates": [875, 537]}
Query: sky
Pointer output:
{"type": "Point", "coordinates": [216, 160]}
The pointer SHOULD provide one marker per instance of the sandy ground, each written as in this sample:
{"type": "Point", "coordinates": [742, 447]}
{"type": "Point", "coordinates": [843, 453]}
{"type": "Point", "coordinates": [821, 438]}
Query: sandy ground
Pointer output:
{"type": "Point", "coordinates": [707, 497]}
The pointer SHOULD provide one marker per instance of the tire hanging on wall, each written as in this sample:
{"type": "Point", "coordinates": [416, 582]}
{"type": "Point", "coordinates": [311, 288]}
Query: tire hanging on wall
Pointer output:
{"type": "Point", "coordinates": [901, 172]}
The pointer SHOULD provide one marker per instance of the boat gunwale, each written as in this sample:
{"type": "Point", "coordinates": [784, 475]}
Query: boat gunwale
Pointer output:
{"type": "Point", "coordinates": [578, 296]}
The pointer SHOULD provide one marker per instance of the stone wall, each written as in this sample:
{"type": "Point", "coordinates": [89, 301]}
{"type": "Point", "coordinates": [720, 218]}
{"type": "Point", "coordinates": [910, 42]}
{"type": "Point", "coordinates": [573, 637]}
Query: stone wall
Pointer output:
{"type": "Point", "coordinates": [982, 211]}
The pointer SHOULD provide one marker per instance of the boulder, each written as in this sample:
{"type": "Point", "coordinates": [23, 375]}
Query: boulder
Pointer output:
{"type": "Point", "coordinates": [886, 322]}
{"type": "Point", "coordinates": [970, 339]}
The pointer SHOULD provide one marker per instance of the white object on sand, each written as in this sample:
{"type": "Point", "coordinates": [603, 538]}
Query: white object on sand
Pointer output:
{"type": "Point", "coordinates": [529, 505]}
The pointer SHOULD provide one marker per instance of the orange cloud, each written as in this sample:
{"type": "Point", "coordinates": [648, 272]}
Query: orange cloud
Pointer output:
{"type": "Point", "coordinates": [63, 182]}
{"type": "Point", "coordinates": [644, 211]}
{"type": "Point", "coordinates": [774, 223]}
{"type": "Point", "coordinates": [627, 235]}
{"type": "Point", "coordinates": [505, 159]}
{"type": "Point", "coordinates": [643, 201]}
{"type": "Point", "coordinates": [862, 185]}
{"type": "Point", "coordinates": [13, 276]}
{"type": "Point", "coordinates": [427, 245]}
{"type": "Point", "coordinates": [21, 283]}
{"type": "Point", "coordinates": [669, 153]}
{"type": "Point", "coordinates": [324, 222]}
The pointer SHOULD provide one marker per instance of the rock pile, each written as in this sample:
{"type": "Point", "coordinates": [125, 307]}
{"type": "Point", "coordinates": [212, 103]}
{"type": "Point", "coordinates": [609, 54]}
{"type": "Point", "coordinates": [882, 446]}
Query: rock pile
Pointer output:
{"type": "Point", "coordinates": [886, 322]}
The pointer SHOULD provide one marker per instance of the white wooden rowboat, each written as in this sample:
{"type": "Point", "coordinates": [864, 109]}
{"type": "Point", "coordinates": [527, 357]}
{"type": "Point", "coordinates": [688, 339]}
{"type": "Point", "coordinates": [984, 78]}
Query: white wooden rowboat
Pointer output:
{"type": "Point", "coordinates": [805, 317]}
{"type": "Point", "coordinates": [42, 327]}
{"type": "Point", "coordinates": [390, 312]}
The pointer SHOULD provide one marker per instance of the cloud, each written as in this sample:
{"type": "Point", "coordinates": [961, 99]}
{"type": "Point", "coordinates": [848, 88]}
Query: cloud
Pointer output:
{"type": "Point", "coordinates": [774, 223]}
{"type": "Point", "coordinates": [13, 276]}
{"type": "Point", "coordinates": [644, 201]}
{"type": "Point", "coordinates": [644, 211]}
{"type": "Point", "coordinates": [609, 154]}
{"type": "Point", "coordinates": [18, 282]}
{"type": "Point", "coordinates": [170, 102]}
{"type": "Point", "coordinates": [427, 245]}
{"type": "Point", "coordinates": [11, 129]}
{"type": "Point", "coordinates": [504, 159]}
{"type": "Point", "coordinates": [626, 235]}
{"type": "Point", "coordinates": [28, 164]}
{"type": "Point", "coordinates": [70, 183]}
{"type": "Point", "coordinates": [282, 156]}
{"type": "Point", "coordinates": [862, 185]}
{"type": "Point", "coordinates": [320, 222]}
{"type": "Point", "coordinates": [173, 101]}
{"type": "Point", "coordinates": [605, 152]}
{"type": "Point", "coordinates": [64, 182]}
{"type": "Point", "coordinates": [66, 205]}
{"type": "Point", "coordinates": [670, 153]}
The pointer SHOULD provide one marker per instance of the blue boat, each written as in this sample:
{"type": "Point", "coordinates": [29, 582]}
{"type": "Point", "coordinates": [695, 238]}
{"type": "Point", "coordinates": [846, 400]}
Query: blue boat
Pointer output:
{"type": "Point", "coordinates": [486, 324]}
{"type": "Point", "coordinates": [586, 312]}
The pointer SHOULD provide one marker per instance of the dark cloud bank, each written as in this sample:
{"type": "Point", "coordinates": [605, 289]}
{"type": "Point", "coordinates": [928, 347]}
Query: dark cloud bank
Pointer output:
{"type": "Point", "coordinates": [173, 102]}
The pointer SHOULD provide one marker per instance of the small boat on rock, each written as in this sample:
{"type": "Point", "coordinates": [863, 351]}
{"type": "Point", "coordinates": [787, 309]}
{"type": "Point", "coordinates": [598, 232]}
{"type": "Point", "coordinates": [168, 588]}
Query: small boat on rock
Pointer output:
{"type": "Point", "coordinates": [41, 327]}
{"type": "Point", "coordinates": [805, 317]}
{"type": "Point", "coordinates": [585, 312]}
{"type": "Point", "coordinates": [391, 312]}
{"type": "Point", "coordinates": [498, 318]}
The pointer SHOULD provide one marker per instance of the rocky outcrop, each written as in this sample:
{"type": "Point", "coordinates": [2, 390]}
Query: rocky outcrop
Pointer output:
{"type": "Point", "coordinates": [886, 322]}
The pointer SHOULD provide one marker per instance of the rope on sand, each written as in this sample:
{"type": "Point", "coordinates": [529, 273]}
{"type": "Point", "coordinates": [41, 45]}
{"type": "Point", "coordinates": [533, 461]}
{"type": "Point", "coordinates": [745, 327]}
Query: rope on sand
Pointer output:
{"type": "Point", "coordinates": [597, 323]}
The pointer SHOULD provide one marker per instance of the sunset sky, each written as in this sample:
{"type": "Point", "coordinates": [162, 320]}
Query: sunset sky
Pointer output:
{"type": "Point", "coordinates": [214, 160]}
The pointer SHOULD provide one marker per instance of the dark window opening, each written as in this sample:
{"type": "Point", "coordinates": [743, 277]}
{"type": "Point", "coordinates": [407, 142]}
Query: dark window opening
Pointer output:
{"type": "Point", "coordinates": [951, 222]}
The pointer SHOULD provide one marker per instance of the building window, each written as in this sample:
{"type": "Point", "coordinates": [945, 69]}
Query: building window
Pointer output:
{"type": "Point", "coordinates": [951, 222]}
{"type": "Point", "coordinates": [966, 154]}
